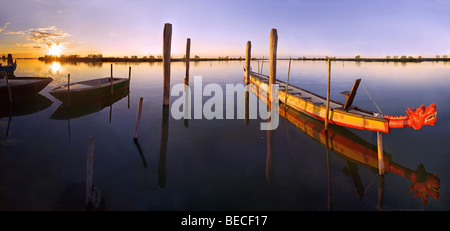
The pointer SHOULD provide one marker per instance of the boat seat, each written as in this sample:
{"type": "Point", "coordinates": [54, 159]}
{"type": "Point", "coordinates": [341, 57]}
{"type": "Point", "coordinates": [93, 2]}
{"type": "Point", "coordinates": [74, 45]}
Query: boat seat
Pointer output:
{"type": "Point", "coordinates": [296, 93]}
{"type": "Point", "coordinates": [346, 93]}
{"type": "Point", "coordinates": [306, 97]}
{"type": "Point", "coordinates": [317, 103]}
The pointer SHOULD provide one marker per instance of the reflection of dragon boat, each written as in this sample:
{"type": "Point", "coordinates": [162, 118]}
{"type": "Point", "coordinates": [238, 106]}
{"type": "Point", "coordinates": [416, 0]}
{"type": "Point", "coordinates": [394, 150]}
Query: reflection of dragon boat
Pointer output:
{"type": "Point", "coordinates": [355, 149]}
{"type": "Point", "coordinates": [75, 110]}
{"type": "Point", "coordinates": [344, 114]}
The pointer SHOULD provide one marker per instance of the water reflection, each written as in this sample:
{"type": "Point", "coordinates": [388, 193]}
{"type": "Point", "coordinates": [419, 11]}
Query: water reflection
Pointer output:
{"type": "Point", "coordinates": [163, 147]}
{"type": "Point", "coordinates": [55, 67]}
{"type": "Point", "coordinates": [66, 111]}
{"type": "Point", "coordinates": [358, 152]}
{"type": "Point", "coordinates": [24, 106]}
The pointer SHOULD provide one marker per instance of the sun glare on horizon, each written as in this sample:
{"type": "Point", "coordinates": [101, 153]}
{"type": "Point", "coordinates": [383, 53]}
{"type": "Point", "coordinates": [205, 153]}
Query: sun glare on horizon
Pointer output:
{"type": "Point", "coordinates": [55, 49]}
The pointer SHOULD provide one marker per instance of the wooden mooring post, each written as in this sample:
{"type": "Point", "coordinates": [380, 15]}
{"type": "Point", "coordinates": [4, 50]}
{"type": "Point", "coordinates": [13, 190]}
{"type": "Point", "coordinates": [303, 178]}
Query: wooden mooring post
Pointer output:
{"type": "Point", "coordinates": [68, 89]}
{"type": "Point", "coordinates": [287, 83]}
{"type": "Point", "coordinates": [111, 79]}
{"type": "Point", "coordinates": [138, 118]}
{"type": "Point", "coordinates": [273, 59]}
{"type": "Point", "coordinates": [187, 60]}
{"type": "Point", "coordinates": [248, 58]}
{"type": "Point", "coordinates": [328, 96]}
{"type": "Point", "coordinates": [167, 42]}
{"type": "Point", "coordinates": [129, 77]}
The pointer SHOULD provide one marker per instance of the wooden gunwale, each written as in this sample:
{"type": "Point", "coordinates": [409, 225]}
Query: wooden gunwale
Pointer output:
{"type": "Point", "coordinates": [314, 106]}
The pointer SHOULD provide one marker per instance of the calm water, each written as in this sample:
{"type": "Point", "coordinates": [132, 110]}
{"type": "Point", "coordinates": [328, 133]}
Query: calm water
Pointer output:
{"type": "Point", "coordinates": [221, 164]}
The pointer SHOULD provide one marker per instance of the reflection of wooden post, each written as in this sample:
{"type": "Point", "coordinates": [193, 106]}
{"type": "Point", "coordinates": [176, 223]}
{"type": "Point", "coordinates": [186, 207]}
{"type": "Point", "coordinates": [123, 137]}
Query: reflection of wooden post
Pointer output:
{"type": "Point", "coordinates": [273, 58]}
{"type": "Point", "coordinates": [188, 58]}
{"type": "Point", "coordinates": [329, 170]}
{"type": "Point", "coordinates": [269, 169]}
{"type": "Point", "coordinates": [248, 57]}
{"type": "Point", "coordinates": [90, 163]}
{"type": "Point", "coordinates": [380, 153]}
{"type": "Point", "coordinates": [167, 41]}
{"type": "Point", "coordinates": [187, 111]}
{"type": "Point", "coordinates": [246, 106]}
{"type": "Point", "coordinates": [163, 147]}
{"type": "Point", "coordinates": [328, 96]}
{"type": "Point", "coordinates": [138, 118]}
{"type": "Point", "coordinates": [380, 193]}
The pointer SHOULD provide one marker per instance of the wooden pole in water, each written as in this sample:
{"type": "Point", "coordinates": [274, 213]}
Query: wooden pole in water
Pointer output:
{"type": "Point", "coordinates": [90, 163]}
{"type": "Point", "coordinates": [258, 66]}
{"type": "Point", "coordinates": [129, 77]}
{"type": "Point", "coordinates": [262, 64]}
{"type": "Point", "coordinates": [68, 88]}
{"type": "Point", "coordinates": [188, 58]}
{"type": "Point", "coordinates": [328, 96]}
{"type": "Point", "coordinates": [380, 153]}
{"type": "Point", "coordinates": [111, 78]}
{"type": "Point", "coordinates": [138, 119]}
{"type": "Point", "coordinates": [287, 83]}
{"type": "Point", "coordinates": [248, 57]}
{"type": "Point", "coordinates": [273, 60]}
{"type": "Point", "coordinates": [167, 41]}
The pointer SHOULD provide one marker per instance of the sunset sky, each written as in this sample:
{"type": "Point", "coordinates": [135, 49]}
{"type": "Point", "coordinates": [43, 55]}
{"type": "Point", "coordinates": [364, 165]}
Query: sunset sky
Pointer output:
{"type": "Point", "coordinates": [219, 28]}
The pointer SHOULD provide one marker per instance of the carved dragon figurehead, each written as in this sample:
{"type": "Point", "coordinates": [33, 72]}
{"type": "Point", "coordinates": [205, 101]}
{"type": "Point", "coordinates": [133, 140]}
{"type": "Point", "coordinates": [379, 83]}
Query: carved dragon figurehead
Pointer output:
{"type": "Point", "coordinates": [422, 116]}
{"type": "Point", "coordinates": [426, 184]}
{"type": "Point", "coordinates": [416, 118]}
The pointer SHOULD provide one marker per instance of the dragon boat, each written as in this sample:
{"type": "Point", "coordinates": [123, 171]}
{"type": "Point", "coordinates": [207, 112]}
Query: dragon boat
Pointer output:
{"type": "Point", "coordinates": [345, 114]}
{"type": "Point", "coordinates": [347, 145]}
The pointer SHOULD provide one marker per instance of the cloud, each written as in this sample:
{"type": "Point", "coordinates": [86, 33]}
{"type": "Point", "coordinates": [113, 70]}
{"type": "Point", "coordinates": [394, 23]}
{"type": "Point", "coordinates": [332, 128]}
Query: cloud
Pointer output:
{"type": "Point", "coordinates": [4, 26]}
{"type": "Point", "coordinates": [28, 45]}
{"type": "Point", "coordinates": [43, 35]}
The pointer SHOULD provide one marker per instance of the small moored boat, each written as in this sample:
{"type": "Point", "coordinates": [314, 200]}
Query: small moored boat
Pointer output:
{"type": "Point", "coordinates": [22, 86]}
{"type": "Point", "coordinates": [89, 89]}
{"type": "Point", "coordinates": [9, 67]}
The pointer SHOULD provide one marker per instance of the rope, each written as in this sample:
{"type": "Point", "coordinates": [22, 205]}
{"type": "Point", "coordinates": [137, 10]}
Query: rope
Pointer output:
{"type": "Point", "coordinates": [371, 99]}
{"type": "Point", "coordinates": [368, 186]}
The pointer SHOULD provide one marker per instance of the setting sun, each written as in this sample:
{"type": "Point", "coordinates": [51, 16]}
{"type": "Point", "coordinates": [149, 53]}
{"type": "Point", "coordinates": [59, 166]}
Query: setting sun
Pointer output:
{"type": "Point", "coordinates": [55, 49]}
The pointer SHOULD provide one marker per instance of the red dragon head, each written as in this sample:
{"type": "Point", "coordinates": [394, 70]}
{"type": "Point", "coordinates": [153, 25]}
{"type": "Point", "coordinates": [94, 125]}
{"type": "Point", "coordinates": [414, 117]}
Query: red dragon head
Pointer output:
{"type": "Point", "coordinates": [422, 116]}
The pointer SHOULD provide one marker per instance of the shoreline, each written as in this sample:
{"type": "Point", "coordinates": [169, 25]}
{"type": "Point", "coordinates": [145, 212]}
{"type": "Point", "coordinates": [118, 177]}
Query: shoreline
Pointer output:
{"type": "Point", "coordinates": [112, 59]}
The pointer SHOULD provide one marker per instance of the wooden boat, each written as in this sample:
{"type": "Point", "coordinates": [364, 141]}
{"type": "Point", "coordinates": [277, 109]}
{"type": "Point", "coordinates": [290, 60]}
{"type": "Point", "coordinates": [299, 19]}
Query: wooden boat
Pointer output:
{"type": "Point", "coordinates": [343, 114]}
{"type": "Point", "coordinates": [22, 86]}
{"type": "Point", "coordinates": [88, 90]}
{"type": "Point", "coordinates": [75, 110]}
{"type": "Point", "coordinates": [9, 67]}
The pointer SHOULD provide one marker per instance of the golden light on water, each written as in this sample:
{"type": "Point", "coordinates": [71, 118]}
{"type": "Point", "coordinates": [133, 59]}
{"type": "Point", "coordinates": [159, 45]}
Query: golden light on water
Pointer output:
{"type": "Point", "coordinates": [55, 67]}
{"type": "Point", "coordinates": [55, 49]}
